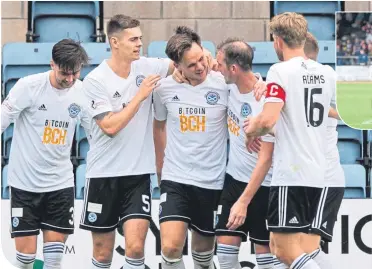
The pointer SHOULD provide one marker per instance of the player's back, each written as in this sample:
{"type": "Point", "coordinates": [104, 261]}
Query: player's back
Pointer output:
{"type": "Point", "coordinates": [307, 88]}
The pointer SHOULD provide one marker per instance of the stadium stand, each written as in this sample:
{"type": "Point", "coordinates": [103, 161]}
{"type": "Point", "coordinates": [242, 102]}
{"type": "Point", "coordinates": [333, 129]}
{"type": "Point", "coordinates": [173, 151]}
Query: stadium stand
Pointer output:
{"type": "Point", "coordinates": [350, 144]}
{"type": "Point", "coordinates": [354, 38]}
{"type": "Point", "coordinates": [55, 20]}
{"type": "Point", "coordinates": [355, 185]}
{"type": "Point", "coordinates": [80, 181]}
{"type": "Point", "coordinates": [320, 15]}
{"type": "Point", "coordinates": [82, 145]}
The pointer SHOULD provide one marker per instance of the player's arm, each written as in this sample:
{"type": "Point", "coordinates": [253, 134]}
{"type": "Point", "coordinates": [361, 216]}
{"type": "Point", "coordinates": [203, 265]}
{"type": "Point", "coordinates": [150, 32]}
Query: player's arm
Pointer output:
{"type": "Point", "coordinates": [159, 130]}
{"type": "Point", "coordinates": [333, 114]}
{"type": "Point", "coordinates": [18, 99]}
{"type": "Point", "coordinates": [238, 212]}
{"type": "Point", "coordinates": [109, 122]}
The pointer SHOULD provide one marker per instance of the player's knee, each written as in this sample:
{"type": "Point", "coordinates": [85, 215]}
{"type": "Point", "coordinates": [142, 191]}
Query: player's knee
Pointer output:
{"type": "Point", "coordinates": [171, 250]}
{"type": "Point", "coordinates": [101, 253]}
{"type": "Point", "coordinates": [283, 255]}
{"type": "Point", "coordinates": [134, 249]}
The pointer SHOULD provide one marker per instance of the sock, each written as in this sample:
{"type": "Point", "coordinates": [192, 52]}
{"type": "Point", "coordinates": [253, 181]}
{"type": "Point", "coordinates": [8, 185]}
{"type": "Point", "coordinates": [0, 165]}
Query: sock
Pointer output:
{"type": "Point", "coordinates": [100, 265]}
{"type": "Point", "coordinates": [304, 262]}
{"type": "Point", "coordinates": [167, 263]}
{"type": "Point", "coordinates": [278, 264]}
{"type": "Point", "coordinates": [228, 256]}
{"type": "Point", "coordinates": [25, 261]}
{"type": "Point", "coordinates": [265, 261]}
{"type": "Point", "coordinates": [203, 260]}
{"type": "Point", "coordinates": [321, 259]}
{"type": "Point", "coordinates": [53, 254]}
{"type": "Point", "coordinates": [131, 263]}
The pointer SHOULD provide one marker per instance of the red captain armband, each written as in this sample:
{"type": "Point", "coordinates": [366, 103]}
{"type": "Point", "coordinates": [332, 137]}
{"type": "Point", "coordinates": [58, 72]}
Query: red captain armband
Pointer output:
{"type": "Point", "coordinates": [275, 90]}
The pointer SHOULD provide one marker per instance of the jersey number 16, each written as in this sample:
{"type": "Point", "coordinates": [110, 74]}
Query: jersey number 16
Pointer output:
{"type": "Point", "coordinates": [310, 107]}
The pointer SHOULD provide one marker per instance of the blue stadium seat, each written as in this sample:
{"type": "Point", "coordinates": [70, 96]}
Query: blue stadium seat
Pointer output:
{"type": "Point", "coordinates": [7, 141]}
{"type": "Point", "coordinates": [319, 14]}
{"type": "Point", "coordinates": [82, 144]}
{"type": "Point", "coordinates": [55, 20]}
{"type": "Point", "coordinates": [157, 48]}
{"type": "Point", "coordinates": [4, 183]}
{"type": "Point", "coordinates": [350, 143]}
{"type": "Point", "coordinates": [80, 181]}
{"type": "Point", "coordinates": [35, 58]}
{"type": "Point", "coordinates": [355, 181]}
{"type": "Point", "coordinates": [155, 187]}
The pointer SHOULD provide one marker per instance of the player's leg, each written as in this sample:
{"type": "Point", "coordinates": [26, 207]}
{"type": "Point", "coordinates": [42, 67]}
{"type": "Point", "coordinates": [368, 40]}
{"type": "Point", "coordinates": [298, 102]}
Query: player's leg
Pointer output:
{"type": "Point", "coordinates": [174, 220]}
{"type": "Point", "coordinates": [258, 233]}
{"type": "Point", "coordinates": [229, 241]}
{"type": "Point", "coordinates": [100, 216]}
{"type": "Point", "coordinates": [57, 222]}
{"type": "Point", "coordinates": [135, 216]}
{"type": "Point", "coordinates": [25, 220]}
{"type": "Point", "coordinates": [323, 224]}
{"type": "Point", "coordinates": [204, 203]}
{"type": "Point", "coordinates": [289, 216]}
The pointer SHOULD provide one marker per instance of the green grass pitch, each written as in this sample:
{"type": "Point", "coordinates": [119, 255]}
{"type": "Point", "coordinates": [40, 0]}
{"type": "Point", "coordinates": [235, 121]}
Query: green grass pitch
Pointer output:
{"type": "Point", "coordinates": [354, 104]}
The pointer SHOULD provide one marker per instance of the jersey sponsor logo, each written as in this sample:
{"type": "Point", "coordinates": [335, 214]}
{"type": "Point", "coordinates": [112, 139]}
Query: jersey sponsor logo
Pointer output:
{"type": "Point", "coordinates": [42, 107]}
{"type": "Point", "coordinates": [15, 222]}
{"type": "Point", "coordinates": [139, 80]}
{"type": "Point", "coordinates": [246, 110]}
{"type": "Point", "coordinates": [55, 132]}
{"type": "Point", "coordinates": [233, 123]}
{"type": "Point", "coordinates": [116, 95]}
{"type": "Point", "coordinates": [212, 97]}
{"type": "Point", "coordinates": [325, 225]}
{"type": "Point", "coordinates": [275, 90]}
{"type": "Point", "coordinates": [74, 110]}
{"type": "Point", "coordinates": [192, 119]}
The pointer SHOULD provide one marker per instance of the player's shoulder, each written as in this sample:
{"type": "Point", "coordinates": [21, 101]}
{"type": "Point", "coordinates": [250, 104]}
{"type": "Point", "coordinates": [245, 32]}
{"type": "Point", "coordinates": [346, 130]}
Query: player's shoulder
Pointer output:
{"type": "Point", "coordinates": [99, 73]}
{"type": "Point", "coordinates": [146, 64]}
{"type": "Point", "coordinates": [217, 81]}
{"type": "Point", "coordinates": [35, 81]}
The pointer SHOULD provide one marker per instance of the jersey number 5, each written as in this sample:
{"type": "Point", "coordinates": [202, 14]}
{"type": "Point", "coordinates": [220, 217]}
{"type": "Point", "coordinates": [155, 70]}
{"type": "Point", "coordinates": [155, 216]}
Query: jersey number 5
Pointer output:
{"type": "Point", "coordinates": [310, 107]}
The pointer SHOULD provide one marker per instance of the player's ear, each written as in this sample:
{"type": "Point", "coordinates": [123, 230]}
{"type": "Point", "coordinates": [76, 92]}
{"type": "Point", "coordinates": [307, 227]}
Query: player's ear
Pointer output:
{"type": "Point", "coordinates": [176, 65]}
{"type": "Point", "coordinates": [52, 65]}
{"type": "Point", "coordinates": [114, 41]}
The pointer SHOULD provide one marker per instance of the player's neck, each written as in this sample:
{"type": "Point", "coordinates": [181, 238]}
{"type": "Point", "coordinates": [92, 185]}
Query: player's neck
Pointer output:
{"type": "Point", "coordinates": [120, 67]}
{"type": "Point", "coordinates": [246, 82]}
{"type": "Point", "coordinates": [292, 53]}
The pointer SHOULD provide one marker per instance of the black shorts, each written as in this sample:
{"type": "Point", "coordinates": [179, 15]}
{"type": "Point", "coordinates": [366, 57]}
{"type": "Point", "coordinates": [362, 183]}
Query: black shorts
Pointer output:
{"type": "Point", "coordinates": [109, 202]}
{"type": "Point", "coordinates": [31, 211]}
{"type": "Point", "coordinates": [326, 215]}
{"type": "Point", "coordinates": [292, 209]}
{"type": "Point", "coordinates": [191, 204]}
{"type": "Point", "coordinates": [255, 223]}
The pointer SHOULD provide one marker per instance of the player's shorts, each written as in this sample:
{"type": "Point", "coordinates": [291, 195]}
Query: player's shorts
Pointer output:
{"type": "Point", "coordinates": [109, 202]}
{"type": "Point", "coordinates": [193, 205]}
{"type": "Point", "coordinates": [255, 222]}
{"type": "Point", "coordinates": [292, 209]}
{"type": "Point", "coordinates": [31, 211]}
{"type": "Point", "coordinates": [326, 215]}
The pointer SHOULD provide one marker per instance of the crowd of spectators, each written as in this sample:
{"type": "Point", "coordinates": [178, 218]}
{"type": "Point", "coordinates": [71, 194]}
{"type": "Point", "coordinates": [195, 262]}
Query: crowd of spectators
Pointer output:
{"type": "Point", "coordinates": [354, 38]}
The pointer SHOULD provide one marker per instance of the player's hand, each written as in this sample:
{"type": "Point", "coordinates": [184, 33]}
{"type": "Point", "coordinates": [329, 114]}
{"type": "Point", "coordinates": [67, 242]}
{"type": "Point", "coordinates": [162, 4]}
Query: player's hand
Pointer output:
{"type": "Point", "coordinates": [211, 62]}
{"type": "Point", "coordinates": [149, 84]}
{"type": "Point", "coordinates": [254, 144]}
{"type": "Point", "coordinates": [179, 77]}
{"type": "Point", "coordinates": [238, 213]}
{"type": "Point", "coordinates": [249, 125]}
{"type": "Point", "coordinates": [259, 89]}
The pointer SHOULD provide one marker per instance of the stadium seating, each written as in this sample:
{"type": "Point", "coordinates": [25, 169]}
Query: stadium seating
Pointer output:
{"type": "Point", "coordinates": [80, 181]}
{"type": "Point", "coordinates": [350, 143]}
{"type": "Point", "coordinates": [4, 183]}
{"type": "Point", "coordinates": [155, 187]}
{"type": "Point", "coordinates": [55, 20]}
{"type": "Point", "coordinates": [319, 14]}
{"type": "Point", "coordinates": [355, 181]}
{"type": "Point", "coordinates": [7, 141]}
{"type": "Point", "coordinates": [157, 48]}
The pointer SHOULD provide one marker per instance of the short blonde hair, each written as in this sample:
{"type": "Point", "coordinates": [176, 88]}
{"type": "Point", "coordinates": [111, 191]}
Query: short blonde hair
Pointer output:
{"type": "Point", "coordinates": [311, 46]}
{"type": "Point", "coordinates": [291, 27]}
